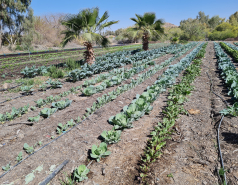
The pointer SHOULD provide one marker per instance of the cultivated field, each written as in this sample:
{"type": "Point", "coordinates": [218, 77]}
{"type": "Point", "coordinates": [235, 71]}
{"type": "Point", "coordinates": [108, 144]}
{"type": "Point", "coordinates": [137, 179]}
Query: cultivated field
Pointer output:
{"type": "Point", "coordinates": [132, 117]}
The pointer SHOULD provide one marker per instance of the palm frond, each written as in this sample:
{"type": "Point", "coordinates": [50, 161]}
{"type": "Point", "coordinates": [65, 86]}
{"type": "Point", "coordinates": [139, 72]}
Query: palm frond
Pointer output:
{"type": "Point", "coordinates": [107, 24]}
{"type": "Point", "coordinates": [149, 18]}
{"type": "Point", "coordinates": [104, 17]}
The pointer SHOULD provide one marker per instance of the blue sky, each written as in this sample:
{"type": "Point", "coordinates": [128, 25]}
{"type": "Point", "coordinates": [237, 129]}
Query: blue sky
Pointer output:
{"type": "Point", "coordinates": [172, 11]}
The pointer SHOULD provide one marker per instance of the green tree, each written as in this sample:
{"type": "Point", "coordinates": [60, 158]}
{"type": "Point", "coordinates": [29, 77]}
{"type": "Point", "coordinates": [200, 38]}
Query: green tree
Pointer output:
{"type": "Point", "coordinates": [11, 18]}
{"type": "Point", "coordinates": [233, 19]}
{"type": "Point", "coordinates": [193, 30]}
{"type": "Point", "coordinates": [215, 21]}
{"type": "Point", "coordinates": [28, 30]}
{"type": "Point", "coordinates": [86, 26]}
{"type": "Point", "coordinates": [148, 26]}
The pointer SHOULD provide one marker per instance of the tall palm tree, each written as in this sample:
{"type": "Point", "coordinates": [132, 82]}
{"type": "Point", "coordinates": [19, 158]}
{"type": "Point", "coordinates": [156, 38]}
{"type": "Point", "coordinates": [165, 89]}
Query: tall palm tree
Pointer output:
{"type": "Point", "coordinates": [86, 26]}
{"type": "Point", "coordinates": [148, 26]}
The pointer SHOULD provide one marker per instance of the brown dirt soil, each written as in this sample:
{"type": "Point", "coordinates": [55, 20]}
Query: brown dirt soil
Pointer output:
{"type": "Point", "coordinates": [76, 144]}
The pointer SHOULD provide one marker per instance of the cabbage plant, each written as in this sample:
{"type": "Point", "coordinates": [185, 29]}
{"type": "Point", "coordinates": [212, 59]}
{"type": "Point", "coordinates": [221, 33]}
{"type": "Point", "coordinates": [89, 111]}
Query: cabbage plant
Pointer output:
{"type": "Point", "coordinates": [100, 151]}
{"type": "Point", "coordinates": [80, 173]}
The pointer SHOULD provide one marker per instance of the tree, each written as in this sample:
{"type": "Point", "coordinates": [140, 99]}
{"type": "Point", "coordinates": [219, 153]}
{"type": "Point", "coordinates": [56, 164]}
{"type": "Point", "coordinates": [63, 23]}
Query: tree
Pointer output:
{"type": "Point", "coordinates": [12, 17]}
{"type": "Point", "coordinates": [202, 17]}
{"type": "Point", "coordinates": [233, 19]}
{"type": "Point", "coordinates": [29, 30]}
{"type": "Point", "coordinates": [215, 21]}
{"type": "Point", "coordinates": [193, 30]}
{"type": "Point", "coordinates": [148, 26]}
{"type": "Point", "coordinates": [87, 25]}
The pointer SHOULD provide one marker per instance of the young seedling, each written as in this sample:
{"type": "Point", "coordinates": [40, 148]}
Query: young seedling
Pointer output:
{"type": "Point", "coordinates": [7, 167]}
{"type": "Point", "coordinates": [19, 157]}
{"type": "Point", "coordinates": [80, 173]}
{"type": "Point", "coordinates": [100, 151]}
{"type": "Point", "coordinates": [28, 149]}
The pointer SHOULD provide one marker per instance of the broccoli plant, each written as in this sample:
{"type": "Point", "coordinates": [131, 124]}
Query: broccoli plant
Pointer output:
{"type": "Point", "coordinates": [62, 104]}
{"type": "Point", "coordinates": [46, 112]}
{"type": "Point", "coordinates": [34, 119]}
{"type": "Point", "coordinates": [28, 149]}
{"type": "Point", "coordinates": [43, 87]}
{"type": "Point", "coordinates": [40, 103]}
{"type": "Point", "coordinates": [111, 136]}
{"type": "Point", "coordinates": [80, 173]}
{"type": "Point", "coordinates": [29, 72]}
{"type": "Point", "coordinates": [233, 110]}
{"type": "Point", "coordinates": [100, 151]}
{"type": "Point", "coordinates": [27, 89]}
{"type": "Point", "coordinates": [54, 84]}
{"type": "Point", "coordinates": [7, 167]}
{"type": "Point", "coordinates": [19, 157]}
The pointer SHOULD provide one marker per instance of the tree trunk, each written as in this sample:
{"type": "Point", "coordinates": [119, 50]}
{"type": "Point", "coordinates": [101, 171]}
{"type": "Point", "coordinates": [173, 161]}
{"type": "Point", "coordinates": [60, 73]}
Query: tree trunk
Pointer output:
{"type": "Point", "coordinates": [89, 54]}
{"type": "Point", "coordinates": [145, 41]}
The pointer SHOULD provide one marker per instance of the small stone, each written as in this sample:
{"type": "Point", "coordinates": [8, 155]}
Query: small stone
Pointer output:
{"type": "Point", "coordinates": [103, 171]}
{"type": "Point", "coordinates": [5, 85]}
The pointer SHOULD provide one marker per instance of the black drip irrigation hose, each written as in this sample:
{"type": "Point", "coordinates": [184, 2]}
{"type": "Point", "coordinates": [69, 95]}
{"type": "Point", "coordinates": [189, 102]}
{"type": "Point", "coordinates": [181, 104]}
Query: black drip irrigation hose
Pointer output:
{"type": "Point", "coordinates": [219, 147]}
{"type": "Point", "coordinates": [44, 146]}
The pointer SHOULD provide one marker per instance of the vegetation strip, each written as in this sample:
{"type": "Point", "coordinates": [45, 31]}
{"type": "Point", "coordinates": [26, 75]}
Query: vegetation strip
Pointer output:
{"type": "Point", "coordinates": [230, 76]}
{"type": "Point", "coordinates": [177, 96]}
{"type": "Point", "coordinates": [106, 98]}
{"type": "Point", "coordinates": [138, 107]}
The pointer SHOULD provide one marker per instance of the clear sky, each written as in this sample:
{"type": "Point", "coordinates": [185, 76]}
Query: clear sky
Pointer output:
{"type": "Point", "coordinates": [172, 11]}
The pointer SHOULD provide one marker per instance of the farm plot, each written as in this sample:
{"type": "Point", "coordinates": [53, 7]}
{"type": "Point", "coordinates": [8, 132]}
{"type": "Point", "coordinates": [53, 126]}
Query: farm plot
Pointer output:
{"type": "Point", "coordinates": [43, 130]}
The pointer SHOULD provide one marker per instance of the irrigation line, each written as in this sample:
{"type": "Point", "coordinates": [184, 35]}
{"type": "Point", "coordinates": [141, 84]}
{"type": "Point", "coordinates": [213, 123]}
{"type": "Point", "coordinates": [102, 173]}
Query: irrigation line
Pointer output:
{"type": "Point", "coordinates": [219, 147]}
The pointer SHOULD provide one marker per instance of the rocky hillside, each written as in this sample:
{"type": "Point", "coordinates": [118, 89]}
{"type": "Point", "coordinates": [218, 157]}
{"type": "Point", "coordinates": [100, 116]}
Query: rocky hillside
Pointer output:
{"type": "Point", "coordinates": [169, 25]}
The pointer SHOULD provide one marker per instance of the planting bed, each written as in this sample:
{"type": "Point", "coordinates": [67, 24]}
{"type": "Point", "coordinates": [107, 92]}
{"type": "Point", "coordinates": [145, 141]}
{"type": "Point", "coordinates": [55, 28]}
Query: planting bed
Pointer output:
{"type": "Point", "coordinates": [189, 156]}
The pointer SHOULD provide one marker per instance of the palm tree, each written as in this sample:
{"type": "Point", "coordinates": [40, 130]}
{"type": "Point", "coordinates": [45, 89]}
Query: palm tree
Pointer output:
{"type": "Point", "coordinates": [86, 26]}
{"type": "Point", "coordinates": [148, 26]}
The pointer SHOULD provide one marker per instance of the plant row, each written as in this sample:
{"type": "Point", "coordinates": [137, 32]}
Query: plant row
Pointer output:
{"type": "Point", "coordinates": [106, 98]}
{"type": "Point", "coordinates": [105, 64]}
{"type": "Point", "coordinates": [230, 76]}
{"type": "Point", "coordinates": [230, 51]}
{"type": "Point", "coordinates": [177, 96]}
{"type": "Point", "coordinates": [138, 107]}
{"type": "Point", "coordinates": [100, 151]}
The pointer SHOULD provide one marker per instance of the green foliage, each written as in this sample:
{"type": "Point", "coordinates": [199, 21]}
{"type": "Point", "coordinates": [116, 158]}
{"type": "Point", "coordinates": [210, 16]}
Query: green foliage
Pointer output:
{"type": "Point", "coordinates": [100, 151]}
{"type": "Point", "coordinates": [80, 173]}
{"type": "Point", "coordinates": [72, 64]}
{"type": "Point", "coordinates": [111, 136]}
{"type": "Point", "coordinates": [46, 112]}
{"type": "Point", "coordinates": [233, 110]}
{"type": "Point", "coordinates": [34, 119]}
{"type": "Point", "coordinates": [28, 149]}
{"type": "Point", "coordinates": [7, 167]}
{"type": "Point", "coordinates": [27, 89]}
{"type": "Point", "coordinates": [54, 84]}
{"type": "Point", "coordinates": [229, 50]}
{"type": "Point", "coordinates": [55, 72]}
{"type": "Point", "coordinates": [19, 157]}
{"type": "Point", "coordinates": [79, 23]}
{"type": "Point", "coordinates": [61, 104]}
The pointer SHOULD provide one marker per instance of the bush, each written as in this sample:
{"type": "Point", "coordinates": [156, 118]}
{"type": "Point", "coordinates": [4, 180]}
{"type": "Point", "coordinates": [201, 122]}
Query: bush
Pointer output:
{"type": "Point", "coordinates": [54, 72]}
{"type": "Point", "coordinates": [19, 48]}
{"type": "Point", "coordinates": [71, 64]}
{"type": "Point", "coordinates": [222, 35]}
